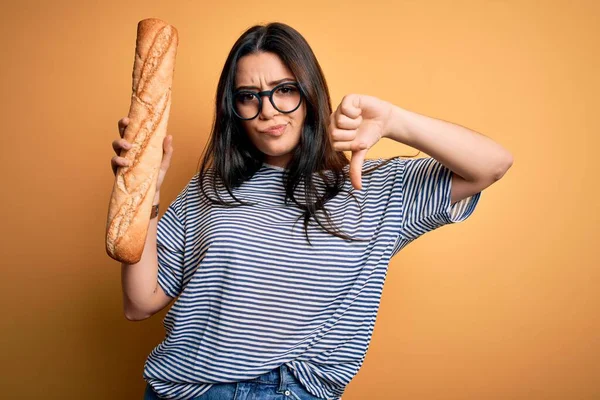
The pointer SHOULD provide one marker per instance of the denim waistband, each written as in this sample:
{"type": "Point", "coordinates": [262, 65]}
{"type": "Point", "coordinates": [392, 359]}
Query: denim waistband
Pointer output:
{"type": "Point", "coordinates": [280, 375]}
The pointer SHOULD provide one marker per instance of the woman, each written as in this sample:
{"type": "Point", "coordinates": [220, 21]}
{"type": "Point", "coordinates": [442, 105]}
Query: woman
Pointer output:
{"type": "Point", "coordinates": [267, 309]}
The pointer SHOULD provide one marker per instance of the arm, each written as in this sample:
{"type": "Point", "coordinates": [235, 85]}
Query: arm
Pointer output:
{"type": "Point", "coordinates": [142, 295]}
{"type": "Point", "coordinates": [476, 160]}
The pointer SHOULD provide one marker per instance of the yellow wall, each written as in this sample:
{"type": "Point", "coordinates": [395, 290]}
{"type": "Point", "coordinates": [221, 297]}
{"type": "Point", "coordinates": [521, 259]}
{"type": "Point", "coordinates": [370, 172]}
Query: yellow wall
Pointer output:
{"type": "Point", "coordinates": [502, 306]}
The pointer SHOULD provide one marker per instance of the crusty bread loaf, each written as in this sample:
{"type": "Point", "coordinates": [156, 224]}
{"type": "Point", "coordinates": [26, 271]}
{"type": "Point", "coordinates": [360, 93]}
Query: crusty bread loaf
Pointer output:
{"type": "Point", "coordinates": [135, 185]}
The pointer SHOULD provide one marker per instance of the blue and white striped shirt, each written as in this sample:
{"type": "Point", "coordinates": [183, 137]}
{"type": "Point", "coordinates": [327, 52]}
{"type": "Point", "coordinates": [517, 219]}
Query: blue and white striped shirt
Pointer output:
{"type": "Point", "coordinates": [253, 294]}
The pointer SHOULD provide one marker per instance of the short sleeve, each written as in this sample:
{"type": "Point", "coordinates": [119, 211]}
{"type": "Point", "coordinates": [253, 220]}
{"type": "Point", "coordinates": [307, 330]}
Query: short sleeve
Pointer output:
{"type": "Point", "coordinates": [425, 193]}
{"type": "Point", "coordinates": [170, 248]}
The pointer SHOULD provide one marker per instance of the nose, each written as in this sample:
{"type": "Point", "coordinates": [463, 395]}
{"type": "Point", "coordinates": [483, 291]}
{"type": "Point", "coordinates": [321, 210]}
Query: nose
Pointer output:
{"type": "Point", "coordinates": [267, 110]}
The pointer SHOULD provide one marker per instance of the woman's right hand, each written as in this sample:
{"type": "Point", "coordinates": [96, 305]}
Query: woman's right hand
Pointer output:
{"type": "Point", "coordinates": [119, 161]}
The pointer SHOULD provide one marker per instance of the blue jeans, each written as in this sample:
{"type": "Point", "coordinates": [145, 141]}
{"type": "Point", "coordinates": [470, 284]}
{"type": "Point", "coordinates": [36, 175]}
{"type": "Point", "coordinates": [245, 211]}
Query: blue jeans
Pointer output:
{"type": "Point", "coordinates": [277, 384]}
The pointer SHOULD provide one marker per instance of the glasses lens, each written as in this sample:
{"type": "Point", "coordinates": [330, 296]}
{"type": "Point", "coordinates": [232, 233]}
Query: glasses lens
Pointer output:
{"type": "Point", "coordinates": [286, 98]}
{"type": "Point", "coordinates": [246, 104]}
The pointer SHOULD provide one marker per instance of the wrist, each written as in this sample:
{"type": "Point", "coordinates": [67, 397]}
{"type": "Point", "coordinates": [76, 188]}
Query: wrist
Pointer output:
{"type": "Point", "coordinates": [156, 198]}
{"type": "Point", "coordinates": [396, 126]}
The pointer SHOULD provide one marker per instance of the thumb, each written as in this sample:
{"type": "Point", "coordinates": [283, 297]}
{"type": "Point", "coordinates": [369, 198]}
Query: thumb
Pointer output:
{"type": "Point", "coordinates": [356, 163]}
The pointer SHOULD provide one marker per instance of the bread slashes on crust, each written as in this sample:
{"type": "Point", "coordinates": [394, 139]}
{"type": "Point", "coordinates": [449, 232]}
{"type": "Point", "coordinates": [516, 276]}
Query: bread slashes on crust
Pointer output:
{"type": "Point", "coordinates": [135, 185]}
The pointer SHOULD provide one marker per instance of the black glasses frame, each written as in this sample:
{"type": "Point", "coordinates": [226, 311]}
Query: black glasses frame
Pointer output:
{"type": "Point", "coordinates": [269, 93]}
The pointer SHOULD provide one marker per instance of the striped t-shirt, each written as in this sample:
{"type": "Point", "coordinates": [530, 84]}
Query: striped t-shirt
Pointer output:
{"type": "Point", "coordinates": [253, 294]}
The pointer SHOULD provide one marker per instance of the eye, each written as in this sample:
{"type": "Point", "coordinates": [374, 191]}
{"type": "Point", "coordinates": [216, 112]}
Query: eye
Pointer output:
{"type": "Point", "coordinates": [244, 97]}
{"type": "Point", "coordinates": [287, 89]}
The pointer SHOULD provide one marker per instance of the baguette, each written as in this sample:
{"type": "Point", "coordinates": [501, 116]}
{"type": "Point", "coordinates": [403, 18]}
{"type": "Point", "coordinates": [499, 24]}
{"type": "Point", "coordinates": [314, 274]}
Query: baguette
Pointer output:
{"type": "Point", "coordinates": [135, 185]}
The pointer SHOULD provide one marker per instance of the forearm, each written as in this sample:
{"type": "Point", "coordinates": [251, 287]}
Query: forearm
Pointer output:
{"type": "Point", "coordinates": [140, 281]}
{"type": "Point", "coordinates": [467, 153]}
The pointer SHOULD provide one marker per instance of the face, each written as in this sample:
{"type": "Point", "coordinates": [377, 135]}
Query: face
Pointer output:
{"type": "Point", "coordinates": [260, 72]}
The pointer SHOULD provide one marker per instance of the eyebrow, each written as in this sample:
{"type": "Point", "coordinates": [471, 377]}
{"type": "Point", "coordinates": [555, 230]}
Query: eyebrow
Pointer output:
{"type": "Point", "coordinates": [270, 84]}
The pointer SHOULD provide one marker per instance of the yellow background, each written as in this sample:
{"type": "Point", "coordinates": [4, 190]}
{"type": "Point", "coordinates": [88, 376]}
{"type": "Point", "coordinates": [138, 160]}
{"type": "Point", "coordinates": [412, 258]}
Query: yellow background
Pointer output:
{"type": "Point", "coordinates": [502, 306]}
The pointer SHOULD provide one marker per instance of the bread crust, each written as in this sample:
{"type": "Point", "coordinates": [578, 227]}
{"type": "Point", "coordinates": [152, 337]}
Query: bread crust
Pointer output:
{"type": "Point", "coordinates": [135, 185]}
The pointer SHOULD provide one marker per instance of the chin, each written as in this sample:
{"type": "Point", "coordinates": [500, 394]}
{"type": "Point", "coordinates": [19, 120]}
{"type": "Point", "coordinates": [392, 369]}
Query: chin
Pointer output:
{"type": "Point", "coordinates": [275, 149]}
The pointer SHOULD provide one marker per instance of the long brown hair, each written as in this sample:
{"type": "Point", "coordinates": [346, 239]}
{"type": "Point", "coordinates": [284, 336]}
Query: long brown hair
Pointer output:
{"type": "Point", "coordinates": [233, 157]}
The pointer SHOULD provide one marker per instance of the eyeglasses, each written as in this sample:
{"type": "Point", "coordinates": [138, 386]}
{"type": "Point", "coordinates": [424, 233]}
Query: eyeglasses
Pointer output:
{"type": "Point", "coordinates": [285, 97]}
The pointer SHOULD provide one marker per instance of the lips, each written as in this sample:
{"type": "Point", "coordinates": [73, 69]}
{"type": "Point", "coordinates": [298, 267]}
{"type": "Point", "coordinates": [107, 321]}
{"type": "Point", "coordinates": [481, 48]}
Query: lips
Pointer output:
{"type": "Point", "coordinates": [274, 129]}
